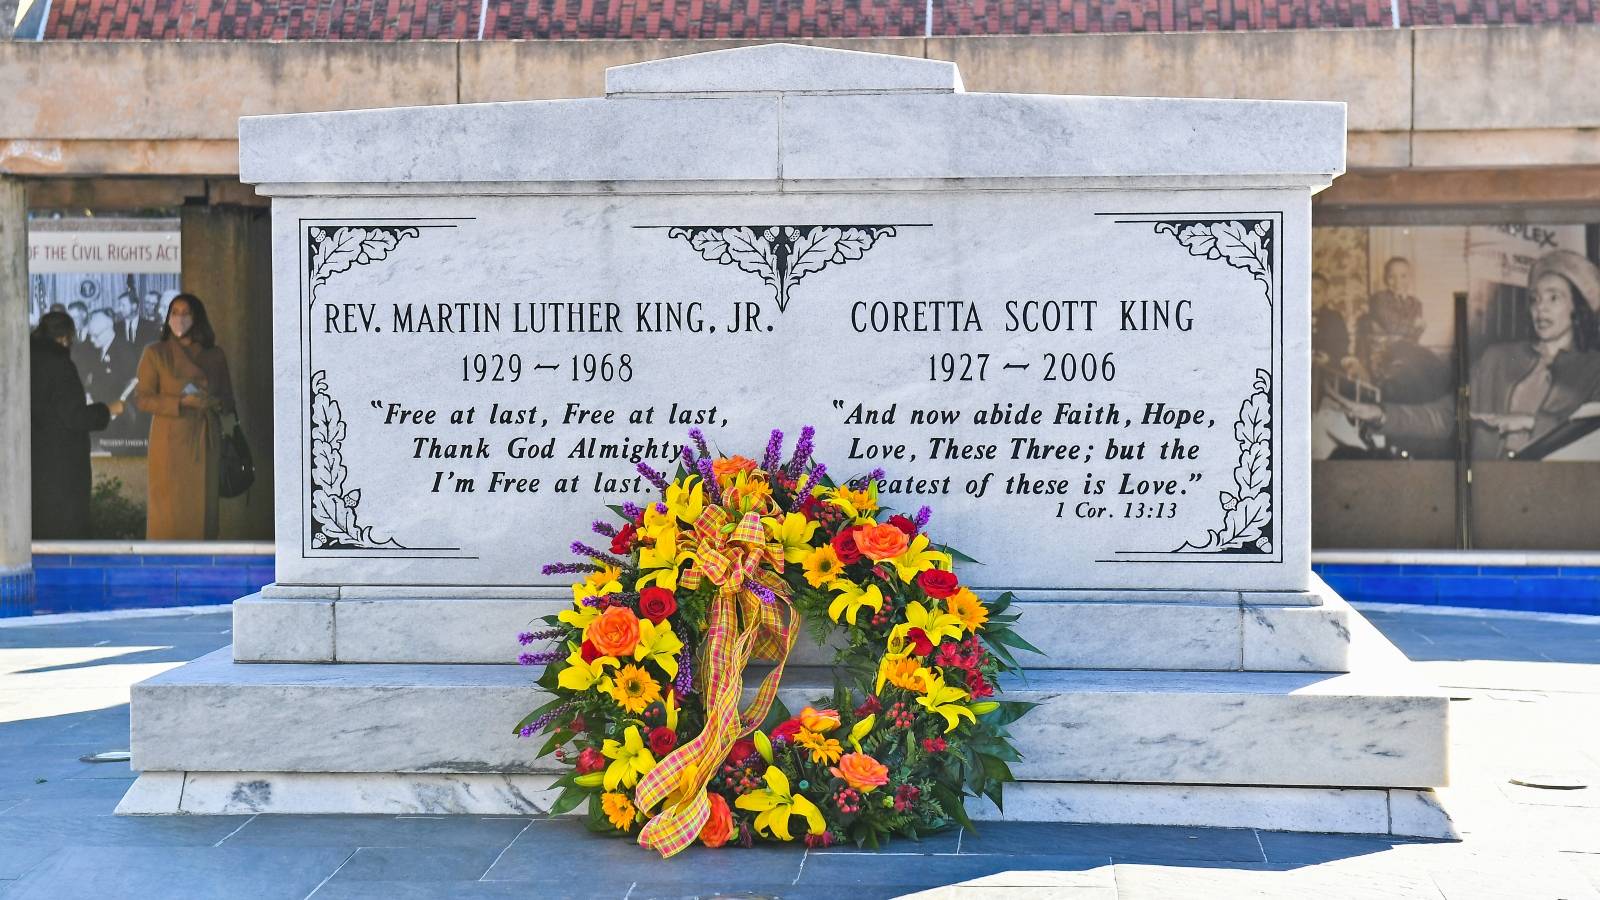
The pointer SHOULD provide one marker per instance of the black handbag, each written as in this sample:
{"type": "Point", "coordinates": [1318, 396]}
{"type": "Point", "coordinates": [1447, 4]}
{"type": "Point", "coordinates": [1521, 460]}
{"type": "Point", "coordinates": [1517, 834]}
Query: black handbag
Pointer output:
{"type": "Point", "coordinates": [238, 468]}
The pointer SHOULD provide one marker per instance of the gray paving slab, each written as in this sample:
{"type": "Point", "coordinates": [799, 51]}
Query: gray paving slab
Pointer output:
{"type": "Point", "coordinates": [181, 873]}
{"type": "Point", "coordinates": [846, 872]}
{"type": "Point", "coordinates": [351, 832]}
{"type": "Point", "coordinates": [443, 864]}
{"type": "Point", "coordinates": [1121, 842]}
{"type": "Point", "coordinates": [562, 852]}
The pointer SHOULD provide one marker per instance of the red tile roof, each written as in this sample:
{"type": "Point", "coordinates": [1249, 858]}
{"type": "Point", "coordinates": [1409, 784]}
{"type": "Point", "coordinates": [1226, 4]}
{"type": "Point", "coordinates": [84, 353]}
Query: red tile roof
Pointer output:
{"type": "Point", "coordinates": [388, 20]}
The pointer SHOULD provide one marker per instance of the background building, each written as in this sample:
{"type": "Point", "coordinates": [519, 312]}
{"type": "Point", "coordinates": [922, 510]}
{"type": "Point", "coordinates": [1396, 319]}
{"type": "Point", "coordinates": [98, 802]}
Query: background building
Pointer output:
{"type": "Point", "coordinates": [1473, 154]}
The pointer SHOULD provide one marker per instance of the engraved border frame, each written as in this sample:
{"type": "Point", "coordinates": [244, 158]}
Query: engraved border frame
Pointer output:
{"type": "Point", "coordinates": [305, 297]}
{"type": "Point", "coordinates": [1275, 363]}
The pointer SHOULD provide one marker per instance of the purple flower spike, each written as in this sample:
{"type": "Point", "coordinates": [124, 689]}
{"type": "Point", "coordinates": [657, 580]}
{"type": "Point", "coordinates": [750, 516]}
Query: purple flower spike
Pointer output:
{"type": "Point", "coordinates": [566, 568]}
{"type": "Point", "coordinates": [528, 637]}
{"type": "Point", "coordinates": [604, 529]}
{"type": "Point", "coordinates": [770, 459]}
{"type": "Point", "coordinates": [525, 638]}
{"type": "Point", "coordinates": [699, 439]}
{"type": "Point", "coordinates": [634, 513]}
{"type": "Point", "coordinates": [684, 682]}
{"type": "Point", "coordinates": [688, 457]}
{"type": "Point", "coordinates": [543, 658]}
{"type": "Point", "coordinates": [707, 475]}
{"type": "Point", "coordinates": [811, 479]}
{"type": "Point", "coordinates": [538, 724]}
{"type": "Point", "coordinates": [923, 515]}
{"type": "Point", "coordinates": [802, 450]}
{"type": "Point", "coordinates": [767, 596]}
{"type": "Point", "coordinates": [654, 477]}
{"type": "Point", "coordinates": [579, 548]}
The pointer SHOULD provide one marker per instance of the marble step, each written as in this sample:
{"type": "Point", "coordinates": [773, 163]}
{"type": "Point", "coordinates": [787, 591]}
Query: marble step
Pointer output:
{"type": "Point", "coordinates": [1394, 811]}
{"type": "Point", "coordinates": [1217, 631]}
{"type": "Point", "coordinates": [1374, 728]}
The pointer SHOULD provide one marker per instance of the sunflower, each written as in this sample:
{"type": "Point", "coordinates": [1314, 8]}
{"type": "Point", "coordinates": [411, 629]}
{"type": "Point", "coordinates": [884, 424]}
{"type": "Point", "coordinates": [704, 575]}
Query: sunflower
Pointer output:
{"type": "Point", "coordinates": [824, 750]}
{"type": "Point", "coordinates": [634, 689]}
{"type": "Point", "coordinates": [822, 565]}
{"type": "Point", "coordinates": [966, 606]}
{"type": "Point", "coordinates": [619, 809]}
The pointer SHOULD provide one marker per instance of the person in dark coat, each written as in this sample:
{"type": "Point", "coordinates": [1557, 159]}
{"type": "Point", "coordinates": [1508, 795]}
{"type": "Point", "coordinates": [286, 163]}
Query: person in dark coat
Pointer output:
{"type": "Point", "coordinates": [62, 420]}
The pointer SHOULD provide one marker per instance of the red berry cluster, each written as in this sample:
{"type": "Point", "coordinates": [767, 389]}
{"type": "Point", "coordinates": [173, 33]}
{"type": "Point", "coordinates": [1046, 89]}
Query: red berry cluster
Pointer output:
{"type": "Point", "coordinates": [736, 778]}
{"type": "Point", "coordinates": [901, 716]}
{"type": "Point", "coordinates": [934, 744]}
{"type": "Point", "coordinates": [848, 800]}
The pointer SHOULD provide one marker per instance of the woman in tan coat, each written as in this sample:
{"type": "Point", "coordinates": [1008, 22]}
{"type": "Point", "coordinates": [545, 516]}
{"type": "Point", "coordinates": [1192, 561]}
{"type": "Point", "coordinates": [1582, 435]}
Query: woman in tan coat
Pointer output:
{"type": "Point", "coordinates": [184, 386]}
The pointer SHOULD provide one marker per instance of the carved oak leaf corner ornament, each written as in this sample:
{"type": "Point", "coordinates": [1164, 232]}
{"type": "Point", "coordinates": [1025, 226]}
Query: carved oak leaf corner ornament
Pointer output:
{"type": "Point", "coordinates": [334, 521]}
{"type": "Point", "coordinates": [1247, 510]}
{"type": "Point", "coordinates": [781, 254]}
{"type": "Point", "coordinates": [333, 504]}
{"type": "Point", "coordinates": [1243, 244]}
{"type": "Point", "coordinates": [339, 249]}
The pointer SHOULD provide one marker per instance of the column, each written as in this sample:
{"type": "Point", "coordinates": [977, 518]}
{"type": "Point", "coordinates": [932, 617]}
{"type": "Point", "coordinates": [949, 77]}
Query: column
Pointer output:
{"type": "Point", "coordinates": [16, 493]}
{"type": "Point", "coordinates": [227, 263]}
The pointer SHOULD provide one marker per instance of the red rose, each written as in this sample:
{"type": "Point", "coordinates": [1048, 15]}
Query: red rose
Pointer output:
{"type": "Point", "coordinates": [868, 708]}
{"type": "Point", "coordinates": [623, 542]}
{"type": "Point", "coordinates": [743, 749]}
{"type": "Point", "coordinates": [904, 524]}
{"type": "Point", "coordinates": [590, 760]}
{"type": "Point", "coordinates": [662, 740]}
{"type": "Point", "coordinates": [919, 641]}
{"type": "Point", "coordinates": [588, 652]}
{"type": "Point", "coordinates": [844, 544]}
{"type": "Point", "coordinates": [811, 507]}
{"type": "Point", "coordinates": [785, 731]}
{"type": "Point", "coordinates": [656, 603]}
{"type": "Point", "coordinates": [938, 583]}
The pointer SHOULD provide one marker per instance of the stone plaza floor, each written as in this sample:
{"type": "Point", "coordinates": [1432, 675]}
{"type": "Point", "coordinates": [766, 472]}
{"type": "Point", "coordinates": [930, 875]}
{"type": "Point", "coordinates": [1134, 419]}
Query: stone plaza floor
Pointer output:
{"type": "Point", "coordinates": [1526, 692]}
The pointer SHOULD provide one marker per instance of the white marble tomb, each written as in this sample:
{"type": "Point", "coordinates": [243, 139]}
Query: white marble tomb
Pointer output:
{"type": "Point", "coordinates": [1077, 327]}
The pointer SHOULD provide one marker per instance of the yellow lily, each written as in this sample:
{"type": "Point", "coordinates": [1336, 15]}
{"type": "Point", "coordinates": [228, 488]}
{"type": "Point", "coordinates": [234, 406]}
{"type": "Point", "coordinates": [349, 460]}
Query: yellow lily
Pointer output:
{"type": "Point", "coordinates": [581, 676]}
{"type": "Point", "coordinates": [579, 616]}
{"type": "Point", "coordinates": [775, 804]}
{"type": "Point", "coordinates": [672, 710]}
{"type": "Point", "coordinates": [794, 532]}
{"type": "Point", "coordinates": [918, 558]}
{"type": "Point", "coordinates": [629, 759]}
{"type": "Point", "coordinates": [935, 624]}
{"type": "Point", "coordinates": [658, 644]}
{"type": "Point", "coordinates": [664, 578]}
{"type": "Point", "coordinates": [946, 701]}
{"type": "Point", "coordinates": [861, 729]}
{"type": "Point", "coordinates": [851, 598]}
{"type": "Point", "coordinates": [856, 504]}
{"type": "Point", "coordinates": [662, 552]}
{"type": "Point", "coordinates": [686, 499]}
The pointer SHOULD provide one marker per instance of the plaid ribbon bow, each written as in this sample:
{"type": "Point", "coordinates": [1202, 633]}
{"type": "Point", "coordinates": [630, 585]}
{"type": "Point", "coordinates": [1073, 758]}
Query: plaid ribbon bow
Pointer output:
{"type": "Point", "coordinates": [741, 626]}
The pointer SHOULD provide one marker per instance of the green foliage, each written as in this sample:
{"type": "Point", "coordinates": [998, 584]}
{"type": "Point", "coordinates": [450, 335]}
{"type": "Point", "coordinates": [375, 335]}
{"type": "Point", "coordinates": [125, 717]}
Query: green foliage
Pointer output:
{"type": "Point", "coordinates": [112, 515]}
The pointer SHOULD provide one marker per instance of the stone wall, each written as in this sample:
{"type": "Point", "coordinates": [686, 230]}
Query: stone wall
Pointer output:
{"type": "Point", "coordinates": [1478, 98]}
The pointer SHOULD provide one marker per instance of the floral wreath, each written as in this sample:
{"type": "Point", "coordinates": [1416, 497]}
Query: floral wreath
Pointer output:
{"type": "Point", "coordinates": [648, 668]}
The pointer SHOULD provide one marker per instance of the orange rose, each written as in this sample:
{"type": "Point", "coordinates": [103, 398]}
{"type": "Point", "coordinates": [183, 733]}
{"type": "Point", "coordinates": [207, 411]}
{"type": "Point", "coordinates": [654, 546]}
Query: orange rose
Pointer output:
{"type": "Point", "coordinates": [719, 825]}
{"type": "Point", "coordinates": [821, 721]}
{"type": "Point", "coordinates": [615, 633]}
{"type": "Point", "coordinates": [730, 466]}
{"type": "Point", "coordinates": [881, 542]}
{"type": "Point", "coordinates": [861, 772]}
